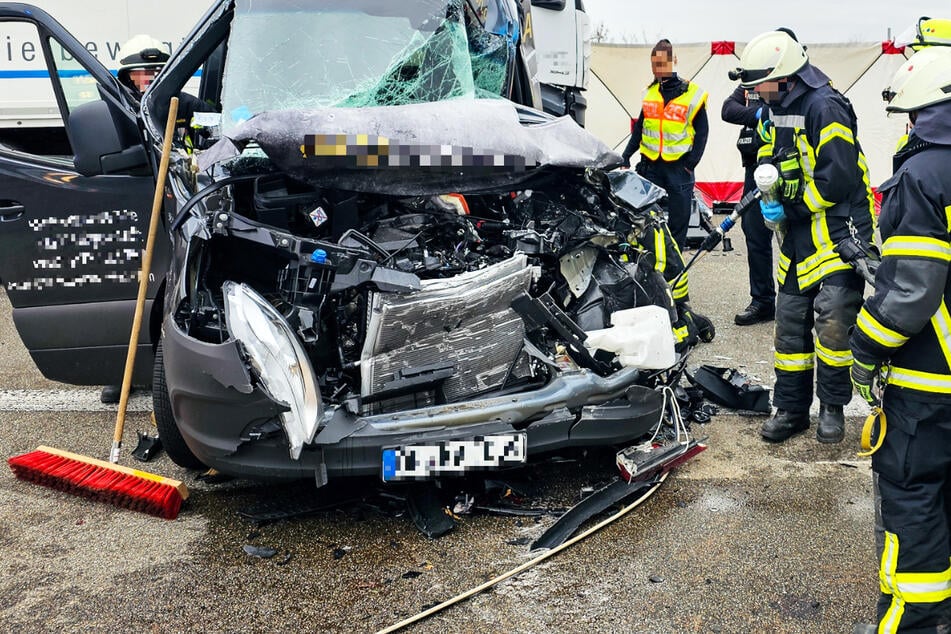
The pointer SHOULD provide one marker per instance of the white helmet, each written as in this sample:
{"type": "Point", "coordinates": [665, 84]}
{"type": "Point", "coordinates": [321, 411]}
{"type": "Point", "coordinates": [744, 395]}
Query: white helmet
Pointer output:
{"type": "Point", "coordinates": [769, 56]}
{"type": "Point", "coordinates": [924, 79]}
{"type": "Point", "coordinates": [142, 51]}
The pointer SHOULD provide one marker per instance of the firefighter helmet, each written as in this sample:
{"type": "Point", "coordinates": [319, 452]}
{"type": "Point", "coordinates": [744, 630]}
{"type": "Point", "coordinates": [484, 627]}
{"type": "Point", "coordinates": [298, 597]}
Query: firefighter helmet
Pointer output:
{"type": "Point", "coordinates": [142, 51]}
{"type": "Point", "coordinates": [769, 56]}
{"type": "Point", "coordinates": [931, 32]}
{"type": "Point", "coordinates": [924, 79]}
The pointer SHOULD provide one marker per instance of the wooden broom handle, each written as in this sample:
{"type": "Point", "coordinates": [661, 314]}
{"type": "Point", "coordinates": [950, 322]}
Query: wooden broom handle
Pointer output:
{"type": "Point", "coordinates": [144, 277]}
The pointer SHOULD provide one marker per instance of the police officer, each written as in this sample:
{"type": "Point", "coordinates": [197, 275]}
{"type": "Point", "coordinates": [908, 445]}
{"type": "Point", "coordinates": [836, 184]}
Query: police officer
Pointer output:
{"type": "Point", "coordinates": [824, 197]}
{"type": "Point", "coordinates": [744, 107]}
{"type": "Point", "coordinates": [905, 327]}
{"type": "Point", "coordinates": [671, 134]}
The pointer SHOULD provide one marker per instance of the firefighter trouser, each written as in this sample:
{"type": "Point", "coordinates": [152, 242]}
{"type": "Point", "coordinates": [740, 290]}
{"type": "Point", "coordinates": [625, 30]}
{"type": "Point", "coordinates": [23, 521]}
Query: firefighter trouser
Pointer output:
{"type": "Point", "coordinates": [830, 308]}
{"type": "Point", "coordinates": [913, 468]}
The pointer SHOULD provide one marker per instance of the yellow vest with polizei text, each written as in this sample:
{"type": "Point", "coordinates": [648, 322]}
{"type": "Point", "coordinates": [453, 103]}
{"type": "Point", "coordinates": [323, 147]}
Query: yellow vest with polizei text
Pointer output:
{"type": "Point", "coordinates": [667, 129]}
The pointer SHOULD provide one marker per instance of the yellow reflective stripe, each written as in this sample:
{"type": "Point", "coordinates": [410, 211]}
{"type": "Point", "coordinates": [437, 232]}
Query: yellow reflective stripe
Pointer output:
{"type": "Point", "coordinates": [921, 381]}
{"type": "Point", "coordinates": [660, 250]}
{"type": "Point", "coordinates": [947, 212]}
{"type": "Point", "coordinates": [863, 166]}
{"type": "Point", "coordinates": [915, 246]}
{"type": "Point", "coordinates": [807, 158]}
{"type": "Point", "coordinates": [886, 580]}
{"type": "Point", "coordinates": [832, 131]}
{"type": "Point", "coordinates": [941, 322]}
{"type": "Point", "coordinates": [813, 199]}
{"type": "Point", "coordinates": [834, 358]}
{"type": "Point", "coordinates": [798, 362]}
{"type": "Point", "coordinates": [681, 290]}
{"type": "Point", "coordinates": [681, 334]}
{"type": "Point", "coordinates": [924, 587]}
{"type": "Point", "coordinates": [877, 332]}
{"type": "Point", "coordinates": [783, 269]}
{"type": "Point", "coordinates": [821, 239]}
{"type": "Point", "coordinates": [825, 269]}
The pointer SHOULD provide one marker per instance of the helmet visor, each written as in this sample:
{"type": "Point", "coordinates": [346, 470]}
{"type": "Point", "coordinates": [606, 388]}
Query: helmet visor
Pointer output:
{"type": "Point", "coordinates": [751, 76]}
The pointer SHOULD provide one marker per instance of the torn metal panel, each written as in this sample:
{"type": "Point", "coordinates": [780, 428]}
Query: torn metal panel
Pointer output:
{"type": "Point", "coordinates": [465, 320]}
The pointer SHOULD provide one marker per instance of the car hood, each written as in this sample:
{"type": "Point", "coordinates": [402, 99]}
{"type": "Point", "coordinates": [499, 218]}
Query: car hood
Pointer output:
{"type": "Point", "coordinates": [459, 145]}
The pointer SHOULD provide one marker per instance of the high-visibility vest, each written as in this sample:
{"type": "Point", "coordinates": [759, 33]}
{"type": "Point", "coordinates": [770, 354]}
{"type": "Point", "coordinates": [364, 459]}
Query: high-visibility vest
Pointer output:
{"type": "Point", "coordinates": [667, 129]}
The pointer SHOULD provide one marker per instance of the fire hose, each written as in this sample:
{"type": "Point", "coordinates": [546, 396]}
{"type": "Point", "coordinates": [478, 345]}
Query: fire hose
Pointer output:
{"type": "Point", "coordinates": [766, 181]}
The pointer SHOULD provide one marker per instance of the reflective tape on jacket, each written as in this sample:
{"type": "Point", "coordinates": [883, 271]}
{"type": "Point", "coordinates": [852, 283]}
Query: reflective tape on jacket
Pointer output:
{"type": "Point", "coordinates": [667, 130]}
{"type": "Point", "coordinates": [929, 382]}
{"type": "Point", "coordinates": [877, 332]}
{"type": "Point", "coordinates": [918, 247]}
{"type": "Point", "coordinates": [783, 268]}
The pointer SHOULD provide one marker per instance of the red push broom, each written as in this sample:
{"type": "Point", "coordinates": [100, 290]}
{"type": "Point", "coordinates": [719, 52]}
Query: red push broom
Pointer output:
{"type": "Point", "coordinates": [97, 479]}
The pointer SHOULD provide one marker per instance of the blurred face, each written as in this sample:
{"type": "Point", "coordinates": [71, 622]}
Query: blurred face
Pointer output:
{"type": "Point", "coordinates": [773, 91]}
{"type": "Point", "coordinates": [142, 77]}
{"type": "Point", "coordinates": [662, 64]}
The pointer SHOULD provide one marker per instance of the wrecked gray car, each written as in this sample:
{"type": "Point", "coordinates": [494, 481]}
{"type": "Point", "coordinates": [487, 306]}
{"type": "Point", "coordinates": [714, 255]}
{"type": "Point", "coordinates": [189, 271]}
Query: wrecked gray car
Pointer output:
{"type": "Point", "coordinates": [382, 259]}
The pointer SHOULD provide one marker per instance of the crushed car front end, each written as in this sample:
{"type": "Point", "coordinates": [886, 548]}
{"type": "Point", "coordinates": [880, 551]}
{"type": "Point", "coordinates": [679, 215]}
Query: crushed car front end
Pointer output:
{"type": "Point", "coordinates": [403, 282]}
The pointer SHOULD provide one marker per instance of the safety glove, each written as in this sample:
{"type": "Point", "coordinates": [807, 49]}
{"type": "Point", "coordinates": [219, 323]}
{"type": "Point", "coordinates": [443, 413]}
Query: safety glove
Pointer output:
{"type": "Point", "coordinates": [864, 379]}
{"type": "Point", "coordinates": [790, 176]}
{"type": "Point", "coordinates": [773, 211]}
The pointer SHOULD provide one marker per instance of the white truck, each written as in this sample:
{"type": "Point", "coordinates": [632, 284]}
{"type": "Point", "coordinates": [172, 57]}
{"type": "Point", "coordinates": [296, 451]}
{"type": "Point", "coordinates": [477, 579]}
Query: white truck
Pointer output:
{"type": "Point", "coordinates": [561, 31]}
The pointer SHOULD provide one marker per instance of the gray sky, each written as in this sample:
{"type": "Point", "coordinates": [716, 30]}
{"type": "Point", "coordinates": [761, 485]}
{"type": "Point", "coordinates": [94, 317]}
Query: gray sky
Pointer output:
{"type": "Point", "coordinates": [636, 21]}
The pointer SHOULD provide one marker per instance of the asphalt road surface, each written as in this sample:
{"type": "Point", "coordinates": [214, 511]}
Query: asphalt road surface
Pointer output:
{"type": "Point", "coordinates": [746, 537]}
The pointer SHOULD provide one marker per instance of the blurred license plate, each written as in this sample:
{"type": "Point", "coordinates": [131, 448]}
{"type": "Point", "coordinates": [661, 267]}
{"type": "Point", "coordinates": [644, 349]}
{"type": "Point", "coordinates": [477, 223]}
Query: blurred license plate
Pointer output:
{"type": "Point", "coordinates": [453, 456]}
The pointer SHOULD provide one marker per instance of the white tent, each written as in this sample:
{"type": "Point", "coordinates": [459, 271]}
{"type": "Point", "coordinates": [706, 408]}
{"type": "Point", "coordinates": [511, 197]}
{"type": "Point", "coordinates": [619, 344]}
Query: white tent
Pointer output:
{"type": "Point", "coordinates": [621, 73]}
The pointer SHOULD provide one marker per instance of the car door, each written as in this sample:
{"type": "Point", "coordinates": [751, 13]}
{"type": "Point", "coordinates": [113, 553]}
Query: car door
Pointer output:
{"type": "Point", "coordinates": [72, 242]}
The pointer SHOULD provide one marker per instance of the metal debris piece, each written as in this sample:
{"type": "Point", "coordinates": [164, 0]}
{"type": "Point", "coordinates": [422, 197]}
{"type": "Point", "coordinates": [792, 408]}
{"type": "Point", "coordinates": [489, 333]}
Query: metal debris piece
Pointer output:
{"type": "Point", "coordinates": [261, 552]}
{"type": "Point", "coordinates": [596, 503]}
{"type": "Point", "coordinates": [148, 447]}
{"type": "Point", "coordinates": [428, 511]}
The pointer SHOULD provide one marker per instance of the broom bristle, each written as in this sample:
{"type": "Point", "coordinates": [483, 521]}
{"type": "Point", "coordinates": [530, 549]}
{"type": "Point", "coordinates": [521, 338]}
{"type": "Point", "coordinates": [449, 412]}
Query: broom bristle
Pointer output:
{"type": "Point", "coordinates": [100, 481]}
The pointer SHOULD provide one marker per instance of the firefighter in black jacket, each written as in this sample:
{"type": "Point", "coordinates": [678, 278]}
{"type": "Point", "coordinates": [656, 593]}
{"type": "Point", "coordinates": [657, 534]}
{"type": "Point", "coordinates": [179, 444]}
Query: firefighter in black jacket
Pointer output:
{"type": "Point", "coordinates": [905, 327]}
{"type": "Point", "coordinates": [824, 197]}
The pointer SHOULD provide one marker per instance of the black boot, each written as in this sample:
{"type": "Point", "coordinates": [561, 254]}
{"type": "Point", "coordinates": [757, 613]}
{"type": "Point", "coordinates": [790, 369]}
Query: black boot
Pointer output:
{"type": "Point", "coordinates": [831, 426]}
{"type": "Point", "coordinates": [754, 314]}
{"type": "Point", "coordinates": [110, 394]}
{"type": "Point", "coordinates": [784, 424]}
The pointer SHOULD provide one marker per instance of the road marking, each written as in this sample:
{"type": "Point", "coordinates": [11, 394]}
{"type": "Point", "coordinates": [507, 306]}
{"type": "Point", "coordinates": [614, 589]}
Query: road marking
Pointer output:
{"type": "Point", "coordinates": [73, 400]}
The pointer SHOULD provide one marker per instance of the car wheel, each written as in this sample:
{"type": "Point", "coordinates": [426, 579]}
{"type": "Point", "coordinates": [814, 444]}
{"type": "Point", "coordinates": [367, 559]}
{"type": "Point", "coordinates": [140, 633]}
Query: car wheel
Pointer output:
{"type": "Point", "coordinates": [171, 437]}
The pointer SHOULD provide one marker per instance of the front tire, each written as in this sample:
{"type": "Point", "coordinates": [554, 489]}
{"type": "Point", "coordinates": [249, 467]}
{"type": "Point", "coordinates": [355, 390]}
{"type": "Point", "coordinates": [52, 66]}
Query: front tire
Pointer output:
{"type": "Point", "coordinates": [171, 437]}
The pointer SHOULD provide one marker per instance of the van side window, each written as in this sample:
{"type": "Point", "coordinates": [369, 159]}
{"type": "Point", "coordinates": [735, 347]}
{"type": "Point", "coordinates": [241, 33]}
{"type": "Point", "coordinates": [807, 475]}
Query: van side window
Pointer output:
{"type": "Point", "coordinates": [31, 122]}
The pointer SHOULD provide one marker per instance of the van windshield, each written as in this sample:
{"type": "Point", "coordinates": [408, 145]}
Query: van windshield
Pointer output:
{"type": "Point", "coordinates": [352, 53]}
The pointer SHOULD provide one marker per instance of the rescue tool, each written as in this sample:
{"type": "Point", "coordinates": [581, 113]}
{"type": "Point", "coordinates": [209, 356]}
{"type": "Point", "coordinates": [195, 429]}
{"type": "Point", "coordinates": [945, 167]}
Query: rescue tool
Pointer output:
{"type": "Point", "coordinates": [766, 182]}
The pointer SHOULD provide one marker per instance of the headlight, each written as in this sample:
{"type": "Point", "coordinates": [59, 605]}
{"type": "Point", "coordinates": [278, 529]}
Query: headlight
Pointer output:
{"type": "Point", "coordinates": [278, 360]}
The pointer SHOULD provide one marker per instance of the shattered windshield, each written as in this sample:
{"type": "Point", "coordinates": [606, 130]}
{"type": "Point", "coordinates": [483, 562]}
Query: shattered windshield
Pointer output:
{"type": "Point", "coordinates": [353, 53]}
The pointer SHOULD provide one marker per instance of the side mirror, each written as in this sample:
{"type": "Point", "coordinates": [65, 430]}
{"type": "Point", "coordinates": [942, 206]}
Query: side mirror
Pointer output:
{"type": "Point", "coordinates": [97, 144]}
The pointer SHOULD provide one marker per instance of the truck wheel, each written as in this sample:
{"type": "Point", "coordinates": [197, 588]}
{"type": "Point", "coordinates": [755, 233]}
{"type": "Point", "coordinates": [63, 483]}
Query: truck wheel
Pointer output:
{"type": "Point", "coordinates": [171, 437]}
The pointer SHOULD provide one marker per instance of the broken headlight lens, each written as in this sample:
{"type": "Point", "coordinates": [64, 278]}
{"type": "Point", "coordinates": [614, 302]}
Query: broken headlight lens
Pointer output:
{"type": "Point", "coordinates": [278, 359]}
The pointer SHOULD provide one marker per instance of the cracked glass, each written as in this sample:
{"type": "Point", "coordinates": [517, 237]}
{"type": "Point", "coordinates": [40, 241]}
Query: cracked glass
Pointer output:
{"type": "Point", "coordinates": [356, 53]}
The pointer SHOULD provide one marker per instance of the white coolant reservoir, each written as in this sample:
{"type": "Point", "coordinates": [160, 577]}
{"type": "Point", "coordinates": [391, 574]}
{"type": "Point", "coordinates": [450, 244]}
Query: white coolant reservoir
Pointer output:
{"type": "Point", "coordinates": [641, 337]}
